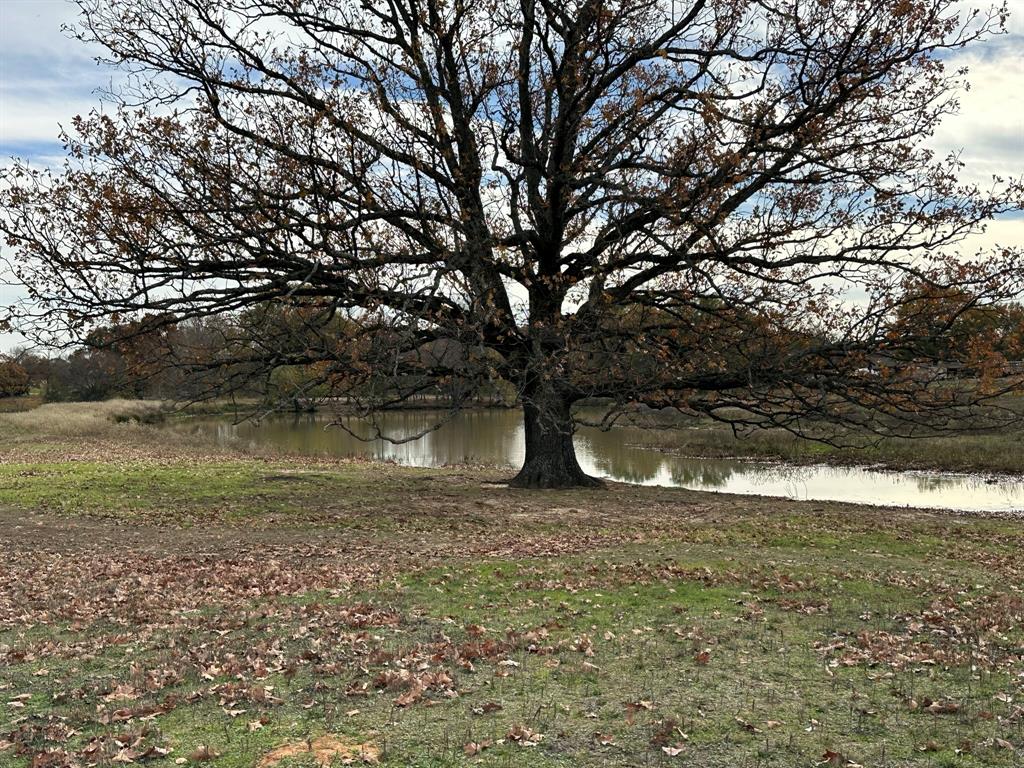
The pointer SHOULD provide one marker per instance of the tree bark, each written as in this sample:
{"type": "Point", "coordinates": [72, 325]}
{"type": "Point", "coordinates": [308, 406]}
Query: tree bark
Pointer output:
{"type": "Point", "coordinates": [550, 454]}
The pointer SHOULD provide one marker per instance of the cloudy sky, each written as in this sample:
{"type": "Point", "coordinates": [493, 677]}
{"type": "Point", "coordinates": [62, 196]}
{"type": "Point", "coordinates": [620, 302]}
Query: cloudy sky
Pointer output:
{"type": "Point", "coordinates": [46, 78]}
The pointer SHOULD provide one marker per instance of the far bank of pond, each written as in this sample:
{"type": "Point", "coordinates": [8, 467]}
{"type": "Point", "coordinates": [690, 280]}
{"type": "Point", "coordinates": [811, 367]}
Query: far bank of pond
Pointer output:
{"type": "Point", "coordinates": [495, 437]}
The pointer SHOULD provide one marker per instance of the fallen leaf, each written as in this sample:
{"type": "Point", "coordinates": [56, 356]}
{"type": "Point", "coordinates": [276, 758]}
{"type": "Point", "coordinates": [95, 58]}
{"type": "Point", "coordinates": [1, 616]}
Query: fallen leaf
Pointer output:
{"type": "Point", "coordinates": [476, 747]}
{"type": "Point", "coordinates": [945, 707]}
{"type": "Point", "coordinates": [203, 753]}
{"type": "Point", "coordinates": [632, 707]}
{"type": "Point", "coordinates": [488, 708]}
{"type": "Point", "coordinates": [749, 727]}
{"type": "Point", "coordinates": [524, 736]}
{"type": "Point", "coordinates": [411, 696]}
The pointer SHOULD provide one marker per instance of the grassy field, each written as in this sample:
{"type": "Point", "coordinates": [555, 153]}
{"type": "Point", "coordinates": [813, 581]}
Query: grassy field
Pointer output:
{"type": "Point", "coordinates": [167, 602]}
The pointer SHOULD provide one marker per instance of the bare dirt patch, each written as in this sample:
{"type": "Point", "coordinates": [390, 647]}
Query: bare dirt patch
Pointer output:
{"type": "Point", "coordinates": [324, 751]}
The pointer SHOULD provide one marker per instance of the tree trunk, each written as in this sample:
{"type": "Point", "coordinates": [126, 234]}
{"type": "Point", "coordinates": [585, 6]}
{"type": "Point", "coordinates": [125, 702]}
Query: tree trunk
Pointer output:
{"type": "Point", "coordinates": [550, 454]}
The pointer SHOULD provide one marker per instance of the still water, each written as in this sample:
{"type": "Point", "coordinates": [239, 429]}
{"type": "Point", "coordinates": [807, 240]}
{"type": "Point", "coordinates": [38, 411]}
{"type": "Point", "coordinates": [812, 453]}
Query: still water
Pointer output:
{"type": "Point", "coordinates": [495, 437]}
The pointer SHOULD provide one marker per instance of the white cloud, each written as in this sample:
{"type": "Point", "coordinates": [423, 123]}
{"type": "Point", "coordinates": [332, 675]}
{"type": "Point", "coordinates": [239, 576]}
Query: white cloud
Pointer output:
{"type": "Point", "coordinates": [8, 296]}
{"type": "Point", "coordinates": [988, 130]}
{"type": "Point", "coordinates": [1007, 232]}
{"type": "Point", "coordinates": [46, 78]}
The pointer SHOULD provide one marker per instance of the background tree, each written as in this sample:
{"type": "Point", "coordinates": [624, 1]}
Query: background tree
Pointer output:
{"type": "Point", "coordinates": [36, 365]}
{"type": "Point", "coordinates": [14, 379]}
{"type": "Point", "coordinates": [950, 324]}
{"type": "Point", "coordinates": [646, 201]}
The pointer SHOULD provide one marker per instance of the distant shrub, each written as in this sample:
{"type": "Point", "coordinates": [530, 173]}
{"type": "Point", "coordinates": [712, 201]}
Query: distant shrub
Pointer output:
{"type": "Point", "coordinates": [143, 414]}
{"type": "Point", "coordinates": [14, 379]}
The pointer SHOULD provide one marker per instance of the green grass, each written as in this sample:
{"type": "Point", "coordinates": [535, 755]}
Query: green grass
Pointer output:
{"type": "Point", "coordinates": [234, 489]}
{"type": "Point", "coordinates": [159, 596]}
{"type": "Point", "coordinates": [604, 644]}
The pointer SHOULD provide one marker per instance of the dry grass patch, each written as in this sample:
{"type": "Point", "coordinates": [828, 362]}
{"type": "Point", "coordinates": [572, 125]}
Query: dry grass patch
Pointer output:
{"type": "Point", "coordinates": [325, 751]}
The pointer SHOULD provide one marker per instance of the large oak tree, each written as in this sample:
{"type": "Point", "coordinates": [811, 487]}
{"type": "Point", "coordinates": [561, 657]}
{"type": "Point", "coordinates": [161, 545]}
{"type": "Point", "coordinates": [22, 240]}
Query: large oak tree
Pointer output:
{"type": "Point", "coordinates": [705, 204]}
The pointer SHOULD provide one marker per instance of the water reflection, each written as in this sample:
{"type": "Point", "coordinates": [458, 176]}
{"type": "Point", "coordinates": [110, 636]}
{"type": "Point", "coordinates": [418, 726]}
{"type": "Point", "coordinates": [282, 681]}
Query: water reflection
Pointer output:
{"type": "Point", "coordinates": [495, 437]}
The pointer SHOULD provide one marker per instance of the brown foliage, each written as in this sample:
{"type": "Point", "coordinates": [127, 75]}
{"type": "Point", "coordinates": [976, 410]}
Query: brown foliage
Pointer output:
{"type": "Point", "coordinates": [14, 379]}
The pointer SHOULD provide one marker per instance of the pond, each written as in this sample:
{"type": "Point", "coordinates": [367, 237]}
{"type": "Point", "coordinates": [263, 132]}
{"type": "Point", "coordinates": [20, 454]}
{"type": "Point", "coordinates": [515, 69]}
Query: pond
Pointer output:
{"type": "Point", "coordinates": [495, 437]}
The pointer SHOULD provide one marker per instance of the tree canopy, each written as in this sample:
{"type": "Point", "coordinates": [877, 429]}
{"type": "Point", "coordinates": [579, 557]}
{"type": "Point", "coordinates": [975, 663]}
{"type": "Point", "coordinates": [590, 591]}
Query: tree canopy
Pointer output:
{"type": "Point", "coordinates": [712, 205]}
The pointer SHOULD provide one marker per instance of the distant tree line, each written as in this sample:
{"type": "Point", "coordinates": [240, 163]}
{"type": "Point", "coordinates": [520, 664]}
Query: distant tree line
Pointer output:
{"type": "Point", "coordinates": [205, 357]}
{"type": "Point", "coordinates": [951, 324]}
{"type": "Point", "coordinates": [115, 361]}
